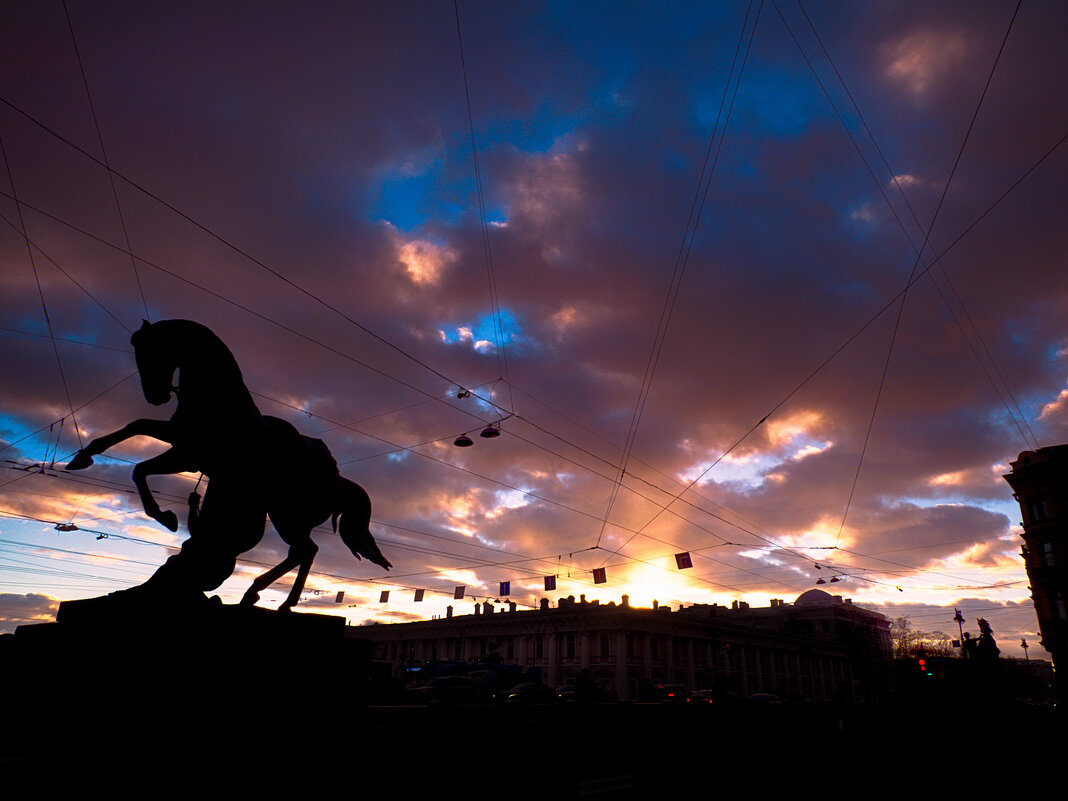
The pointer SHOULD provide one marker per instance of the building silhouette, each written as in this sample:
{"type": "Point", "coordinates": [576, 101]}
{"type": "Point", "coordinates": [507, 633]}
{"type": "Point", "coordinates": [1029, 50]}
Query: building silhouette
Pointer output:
{"type": "Point", "coordinates": [1039, 481]}
{"type": "Point", "coordinates": [819, 648]}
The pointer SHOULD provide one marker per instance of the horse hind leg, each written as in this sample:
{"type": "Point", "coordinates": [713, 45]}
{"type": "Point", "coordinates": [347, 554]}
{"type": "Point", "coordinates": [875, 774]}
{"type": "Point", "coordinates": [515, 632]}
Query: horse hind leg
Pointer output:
{"type": "Point", "coordinates": [301, 555]}
{"type": "Point", "coordinates": [252, 594]}
{"type": "Point", "coordinates": [306, 554]}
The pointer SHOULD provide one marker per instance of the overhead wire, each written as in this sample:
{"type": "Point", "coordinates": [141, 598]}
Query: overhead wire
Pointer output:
{"type": "Point", "coordinates": [704, 182]}
{"type": "Point", "coordinates": [128, 249]}
{"type": "Point", "coordinates": [1005, 194]}
{"type": "Point", "coordinates": [916, 264]}
{"type": "Point", "coordinates": [107, 164]}
{"type": "Point", "coordinates": [1029, 435]}
{"type": "Point", "coordinates": [495, 302]}
{"type": "Point", "coordinates": [40, 289]}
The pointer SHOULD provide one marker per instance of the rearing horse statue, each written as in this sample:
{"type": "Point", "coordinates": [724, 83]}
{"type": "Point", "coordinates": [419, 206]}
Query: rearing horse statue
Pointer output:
{"type": "Point", "coordinates": [257, 465]}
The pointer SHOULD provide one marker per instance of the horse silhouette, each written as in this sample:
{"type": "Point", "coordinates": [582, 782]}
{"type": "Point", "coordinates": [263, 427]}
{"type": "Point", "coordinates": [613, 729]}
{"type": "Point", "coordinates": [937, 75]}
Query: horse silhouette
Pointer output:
{"type": "Point", "coordinates": [258, 466]}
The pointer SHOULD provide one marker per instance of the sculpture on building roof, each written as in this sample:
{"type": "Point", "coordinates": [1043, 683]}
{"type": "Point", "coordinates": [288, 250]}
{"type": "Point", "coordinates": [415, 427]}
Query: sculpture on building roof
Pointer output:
{"type": "Point", "coordinates": [258, 466]}
{"type": "Point", "coordinates": [986, 647]}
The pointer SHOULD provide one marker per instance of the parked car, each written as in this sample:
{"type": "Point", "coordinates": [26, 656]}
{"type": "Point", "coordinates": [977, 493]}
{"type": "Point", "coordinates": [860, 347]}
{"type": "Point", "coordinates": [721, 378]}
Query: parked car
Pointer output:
{"type": "Point", "coordinates": [672, 693]}
{"type": "Point", "coordinates": [763, 698]}
{"type": "Point", "coordinates": [448, 690]}
{"type": "Point", "coordinates": [529, 693]}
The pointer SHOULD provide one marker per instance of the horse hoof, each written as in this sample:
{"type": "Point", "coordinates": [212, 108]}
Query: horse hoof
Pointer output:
{"type": "Point", "coordinates": [168, 519]}
{"type": "Point", "coordinates": [80, 461]}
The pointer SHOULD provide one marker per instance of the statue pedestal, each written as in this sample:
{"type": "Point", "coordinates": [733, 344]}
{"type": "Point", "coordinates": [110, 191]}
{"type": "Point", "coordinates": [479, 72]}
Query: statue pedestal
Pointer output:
{"type": "Point", "coordinates": [171, 679]}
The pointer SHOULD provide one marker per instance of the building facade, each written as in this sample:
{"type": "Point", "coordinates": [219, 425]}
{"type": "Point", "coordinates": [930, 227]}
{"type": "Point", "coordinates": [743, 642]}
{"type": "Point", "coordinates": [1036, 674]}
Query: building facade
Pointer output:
{"type": "Point", "coordinates": [819, 648]}
{"type": "Point", "coordinates": [1039, 481]}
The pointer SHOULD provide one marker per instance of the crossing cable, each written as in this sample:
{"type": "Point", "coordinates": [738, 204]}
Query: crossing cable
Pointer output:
{"type": "Point", "coordinates": [104, 153]}
{"type": "Point", "coordinates": [104, 484]}
{"type": "Point", "coordinates": [263, 317]}
{"type": "Point", "coordinates": [1031, 440]}
{"type": "Point", "coordinates": [845, 570]}
{"type": "Point", "coordinates": [871, 320]}
{"type": "Point", "coordinates": [913, 279]}
{"type": "Point", "coordinates": [351, 427]}
{"type": "Point", "coordinates": [964, 233]}
{"type": "Point", "coordinates": [40, 290]}
{"type": "Point", "coordinates": [495, 302]}
{"type": "Point", "coordinates": [241, 252]}
{"type": "Point", "coordinates": [410, 447]}
{"type": "Point", "coordinates": [916, 264]}
{"type": "Point", "coordinates": [704, 182]}
{"type": "Point", "coordinates": [70, 278]}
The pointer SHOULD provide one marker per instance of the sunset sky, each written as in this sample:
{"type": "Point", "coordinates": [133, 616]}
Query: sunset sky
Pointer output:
{"type": "Point", "coordinates": [781, 285]}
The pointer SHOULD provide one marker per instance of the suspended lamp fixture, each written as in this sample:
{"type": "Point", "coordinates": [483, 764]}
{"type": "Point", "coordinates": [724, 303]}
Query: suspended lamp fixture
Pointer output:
{"type": "Point", "coordinates": [463, 441]}
{"type": "Point", "coordinates": [490, 431]}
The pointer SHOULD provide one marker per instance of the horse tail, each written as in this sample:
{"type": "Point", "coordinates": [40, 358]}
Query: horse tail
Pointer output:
{"type": "Point", "coordinates": [353, 507]}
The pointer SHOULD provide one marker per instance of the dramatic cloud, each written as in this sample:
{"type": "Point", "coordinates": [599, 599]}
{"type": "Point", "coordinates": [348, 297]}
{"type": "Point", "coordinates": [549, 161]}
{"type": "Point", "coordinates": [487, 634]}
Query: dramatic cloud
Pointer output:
{"type": "Point", "coordinates": [743, 307]}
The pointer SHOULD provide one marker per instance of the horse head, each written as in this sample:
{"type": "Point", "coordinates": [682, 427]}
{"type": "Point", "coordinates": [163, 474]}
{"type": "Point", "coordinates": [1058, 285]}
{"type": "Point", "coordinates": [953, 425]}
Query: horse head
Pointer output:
{"type": "Point", "coordinates": [156, 362]}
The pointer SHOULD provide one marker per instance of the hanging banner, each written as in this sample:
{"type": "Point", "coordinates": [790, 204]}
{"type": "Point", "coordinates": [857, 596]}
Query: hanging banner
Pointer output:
{"type": "Point", "coordinates": [340, 597]}
{"type": "Point", "coordinates": [418, 595]}
{"type": "Point", "coordinates": [384, 597]}
{"type": "Point", "coordinates": [599, 576]}
{"type": "Point", "coordinates": [550, 583]}
{"type": "Point", "coordinates": [506, 588]}
{"type": "Point", "coordinates": [458, 594]}
{"type": "Point", "coordinates": [683, 561]}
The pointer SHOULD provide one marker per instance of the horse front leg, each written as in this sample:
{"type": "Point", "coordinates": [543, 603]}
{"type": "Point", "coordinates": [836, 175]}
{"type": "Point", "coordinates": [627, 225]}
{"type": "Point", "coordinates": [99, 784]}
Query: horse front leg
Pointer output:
{"type": "Point", "coordinates": [168, 463]}
{"type": "Point", "coordinates": [163, 430]}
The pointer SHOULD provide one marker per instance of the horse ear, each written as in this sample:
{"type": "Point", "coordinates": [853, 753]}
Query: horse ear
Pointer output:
{"type": "Point", "coordinates": [140, 332]}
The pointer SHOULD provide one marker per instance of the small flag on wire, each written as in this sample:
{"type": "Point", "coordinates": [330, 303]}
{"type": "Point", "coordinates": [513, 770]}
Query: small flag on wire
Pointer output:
{"type": "Point", "coordinates": [384, 597]}
{"type": "Point", "coordinates": [340, 597]}
{"type": "Point", "coordinates": [683, 561]}
{"type": "Point", "coordinates": [458, 593]}
{"type": "Point", "coordinates": [550, 583]}
{"type": "Point", "coordinates": [599, 576]}
{"type": "Point", "coordinates": [418, 595]}
{"type": "Point", "coordinates": [506, 588]}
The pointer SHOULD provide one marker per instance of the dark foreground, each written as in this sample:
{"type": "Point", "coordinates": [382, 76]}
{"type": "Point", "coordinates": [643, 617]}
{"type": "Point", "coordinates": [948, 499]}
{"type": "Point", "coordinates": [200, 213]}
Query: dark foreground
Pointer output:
{"type": "Point", "coordinates": [242, 699]}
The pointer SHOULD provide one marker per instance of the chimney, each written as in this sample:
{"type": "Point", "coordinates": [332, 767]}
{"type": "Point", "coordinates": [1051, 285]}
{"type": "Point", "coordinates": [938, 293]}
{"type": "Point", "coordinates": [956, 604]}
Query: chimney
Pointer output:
{"type": "Point", "coordinates": [656, 605]}
{"type": "Point", "coordinates": [448, 611]}
{"type": "Point", "coordinates": [625, 600]}
{"type": "Point", "coordinates": [511, 606]}
{"type": "Point", "coordinates": [543, 604]}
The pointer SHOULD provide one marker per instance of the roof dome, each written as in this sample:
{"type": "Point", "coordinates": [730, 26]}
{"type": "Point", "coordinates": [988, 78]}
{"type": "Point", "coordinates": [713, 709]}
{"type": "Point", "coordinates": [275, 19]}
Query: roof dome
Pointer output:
{"type": "Point", "coordinates": [814, 598]}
